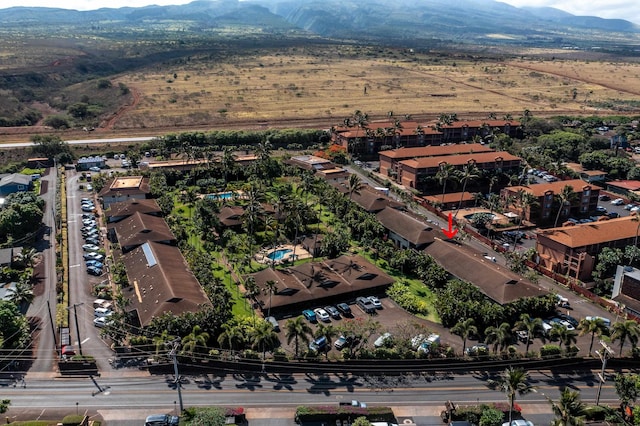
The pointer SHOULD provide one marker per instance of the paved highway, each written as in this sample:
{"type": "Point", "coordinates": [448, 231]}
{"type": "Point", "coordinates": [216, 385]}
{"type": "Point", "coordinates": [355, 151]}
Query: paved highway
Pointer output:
{"type": "Point", "coordinates": [81, 142]}
{"type": "Point", "coordinates": [127, 400]}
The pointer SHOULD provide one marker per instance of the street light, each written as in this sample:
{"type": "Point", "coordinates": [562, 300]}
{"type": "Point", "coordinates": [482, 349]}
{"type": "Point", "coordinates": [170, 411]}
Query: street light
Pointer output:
{"type": "Point", "coordinates": [604, 356]}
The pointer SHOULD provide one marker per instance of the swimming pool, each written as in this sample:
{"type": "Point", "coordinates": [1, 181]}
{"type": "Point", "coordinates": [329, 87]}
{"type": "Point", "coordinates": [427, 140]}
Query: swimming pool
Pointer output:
{"type": "Point", "coordinates": [220, 196]}
{"type": "Point", "coordinates": [490, 215]}
{"type": "Point", "coordinates": [279, 254]}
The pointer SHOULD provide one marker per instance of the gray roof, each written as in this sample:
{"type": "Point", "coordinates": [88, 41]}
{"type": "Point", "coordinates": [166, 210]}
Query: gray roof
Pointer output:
{"type": "Point", "coordinates": [413, 230]}
{"type": "Point", "coordinates": [16, 178]}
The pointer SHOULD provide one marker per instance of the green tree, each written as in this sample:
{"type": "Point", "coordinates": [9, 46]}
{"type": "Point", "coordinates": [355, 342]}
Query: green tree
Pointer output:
{"type": "Point", "coordinates": [263, 337]}
{"type": "Point", "coordinates": [565, 198]}
{"type": "Point", "coordinates": [297, 330]}
{"type": "Point", "coordinates": [626, 330]}
{"type": "Point", "coordinates": [595, 326]}
{"type": "Point", "coordinates": [491, 417]}
{"type": "Point", "coordinates": [513, 381]}
{"type": "Point", "coordinates": [569, 410]}
{"type": "Point", "coordinates": [564, 335]}
{"type": "Point", "coordinates": [14, 328]}
{"type": "Point", "coordinates": [465, 329]}
{"type": "Point", "coordinates": [446, 173]}
{"type": "Point", "coordinates": [361, 421]}
{"type": "Point", "coordinates": [627, 388]}
{"type": "Point", "coordinates": [498, 337]}
{"type": "Point", "coordinates": [22, 295]}
{"type": "Point", "coordinates": [531, 325]}
{"type": "Point", "coordinates": [468, 172]}
{"type": "Point", "coordinates": [4, 405]}
{"type": "Point", "coordinates": [195, 342]}
{"type": "Point", "coordinates": [207, 416]}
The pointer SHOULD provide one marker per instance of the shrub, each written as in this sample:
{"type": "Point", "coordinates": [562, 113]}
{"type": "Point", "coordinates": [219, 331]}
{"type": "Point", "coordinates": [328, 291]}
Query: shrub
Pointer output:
{"type": "Point", "coordinates": [550, 351]}
{"type": "Point", "coordinates": [491, 417]}
{"type": "Point", "coordinates": [331, 413]}
{"type": "Point", "coordinates": [72, 420]}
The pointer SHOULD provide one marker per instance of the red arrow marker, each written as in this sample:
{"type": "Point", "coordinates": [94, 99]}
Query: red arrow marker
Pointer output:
{"type": "Point", "coordinates": [450, 233]}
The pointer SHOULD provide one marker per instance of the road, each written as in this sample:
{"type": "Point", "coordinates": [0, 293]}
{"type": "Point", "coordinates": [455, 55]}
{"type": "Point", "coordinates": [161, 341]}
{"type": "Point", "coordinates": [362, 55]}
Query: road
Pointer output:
{"type": "Point", "coordinates": [81, 142]}
{"type": "Point", "coordinates": [127, 400]}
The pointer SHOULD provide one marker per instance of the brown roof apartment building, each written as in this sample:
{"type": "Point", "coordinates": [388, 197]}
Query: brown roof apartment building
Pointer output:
{"type": "Point", "coordinates": [573, 250]}
{"type": "Point", "coordinates": [160, 281]}
{"type": "Point", "coordinates": [389, 160]}
{"type": "Point", "coordinates": [118, 211]}
{"type": "Point", "coordinates": [124, 188]}
{"type": "Point", "coordinates": [138, 229]}
{"type": "Point", "coordinates": [412, 173]}
{"type": "Point", "coordinates": [546, 207]}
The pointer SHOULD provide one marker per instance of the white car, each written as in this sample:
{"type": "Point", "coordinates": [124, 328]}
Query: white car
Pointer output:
{"type": "Point", "coordinates": [90, 247]}
{"type": "Point", "coordinates": [102, 312]}
{"type": "Point", "coordinates": [375, 301]}
{"type": "Point", "coordinates": [94, 169]}
{"type": "Point", "coordinates": [322, 315]}
{"type": "Point", "coordinates": [101, 322]}
{"type": "Point", "coordinates": [519, 422]}
{"type": "Point", "coordinates": [617, 202]}
{"type": "Point", "coordinates": [380, 341]}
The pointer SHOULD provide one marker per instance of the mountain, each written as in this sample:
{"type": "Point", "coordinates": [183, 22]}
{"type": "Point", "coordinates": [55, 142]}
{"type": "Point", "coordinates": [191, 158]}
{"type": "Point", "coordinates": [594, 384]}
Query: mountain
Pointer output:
{"type": "Point", "coordinates": [479, 21]}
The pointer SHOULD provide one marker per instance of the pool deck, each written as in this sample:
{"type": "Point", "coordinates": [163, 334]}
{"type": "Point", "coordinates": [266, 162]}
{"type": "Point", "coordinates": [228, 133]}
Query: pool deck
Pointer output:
{"type": "Point", "coordinates": [499, 218]}
{"type": "Point", "coordinates": [300, 253]}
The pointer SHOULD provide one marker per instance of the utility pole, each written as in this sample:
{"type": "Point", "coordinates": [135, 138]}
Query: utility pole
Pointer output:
{"type": "Point", "coordinates": [604, 356]}
{"type": "Point", "coordinates": [173, 353]}
{"type": "Point", "coordinates": [53, 329]}
{"type": "Point", "coordinates": [75, 314]}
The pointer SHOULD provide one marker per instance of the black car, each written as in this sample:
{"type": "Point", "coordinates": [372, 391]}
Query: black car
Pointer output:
{"type": "Point", "coordinates": [92, 241]}
{"type": "Point", "coordinates": [571, 320]}
{"type": "Point", "coordinates": [92, 270]}
{"type": "Point", "coordinates": [604, 197]}
{"type": "Point", "coordinates": [331, 310]}
{"type": "Point", "coordinates": [344, 309]}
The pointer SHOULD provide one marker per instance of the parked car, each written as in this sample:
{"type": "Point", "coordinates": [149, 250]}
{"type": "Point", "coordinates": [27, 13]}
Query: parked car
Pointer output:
{"type": "Point", "coordinates": [617, 202]}
{"type": "Point", "coordinates": [433, 339]}
{"type": "Point", "coordinates": [604, 197]}
{"type": "Point", "coordinates": [274, 323]}
{"type": "Point", "coordinates": [568, 318]}
{"type": "Point", "coordinates": [309, 315]}
{"type": "Point", "coordinates": [88, 208]}
{"type": "Point", "coordinates": [478, 350]}
{"type": "Point", "coordinates": [94, 263]}
{"type": "Point", "coordinates": [344, 309]}
{"type": "Point", "coordinates": [613, 215]}
{"type": "Point", "coordinates": [518, 422]}
{"type": "Point", "coordinates": [90, 247]}
{"type": "Point", "coordinates": [340, 342]}
{"type": "Point", "coordinates": [100, 322]}
{"type": "Point", "coordinates": [94, 169]}
{"type": "Point", "coordinates": [89, 187]}
{"type": "Point", "coordinates": [331, 310]}
{"type": "Point", "coordinates": [366, 305]}
{"type": "Point", "coordinates": [162, 420]}
{"type": "Point", "coordinates": [322, 315]}
{"type": "Point", "coordinates": [102, 312]}
{"type": "Point", "coordinates": [606, 321]}
{"type": "Point", "coordinates": [92, 270]}
{"type": "Point", "coordinates": [93, 256]}
{"type": "Point", "coordinates": [92, 240]}
{"type": "Point", "coordinates": [380, 341]}
{"type": "Point", "coordinates": [319, 344]}
{"type": "Point", "coordinates": [375, 301]}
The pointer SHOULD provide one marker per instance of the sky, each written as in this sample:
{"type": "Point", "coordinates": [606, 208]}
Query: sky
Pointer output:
{"type": "Point", "coordinates": [622, 9]}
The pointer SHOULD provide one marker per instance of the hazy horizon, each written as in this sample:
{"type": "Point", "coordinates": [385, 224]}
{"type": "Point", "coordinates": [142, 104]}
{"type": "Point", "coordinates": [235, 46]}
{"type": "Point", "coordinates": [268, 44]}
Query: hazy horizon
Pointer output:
{"type": "Point", "coordinates": [616, 9]}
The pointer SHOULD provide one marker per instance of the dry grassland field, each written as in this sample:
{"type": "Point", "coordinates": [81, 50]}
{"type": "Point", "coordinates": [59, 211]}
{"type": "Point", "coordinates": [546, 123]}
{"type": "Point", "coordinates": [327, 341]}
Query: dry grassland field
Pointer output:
{"type": "Point", "coordinates": [329, 84]}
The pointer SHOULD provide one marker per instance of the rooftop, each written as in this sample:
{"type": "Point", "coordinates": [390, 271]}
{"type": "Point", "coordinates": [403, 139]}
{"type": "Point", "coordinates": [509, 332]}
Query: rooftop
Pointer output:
{"type": "Point", "coordinates": [599, 232]}
{"type": "Point", "coordinates": [556, 187]}
{"type": "Point", "coordinates": [460, 159]}
{"type": "Point", "coordinates": [411, 229]}
{"type": "Point", "coordinates": [130, 182]}
{"type": "Point", "coordinates": [434, 151]}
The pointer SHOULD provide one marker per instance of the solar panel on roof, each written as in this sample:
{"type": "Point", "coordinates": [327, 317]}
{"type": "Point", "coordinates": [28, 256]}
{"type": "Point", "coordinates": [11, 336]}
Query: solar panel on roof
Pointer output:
{"type": "Point", "coordinates": [151, 259]}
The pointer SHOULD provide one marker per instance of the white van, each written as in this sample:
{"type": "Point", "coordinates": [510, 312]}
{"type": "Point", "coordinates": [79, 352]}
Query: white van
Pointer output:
{"type": "Point", "coordinates": [101, 312]}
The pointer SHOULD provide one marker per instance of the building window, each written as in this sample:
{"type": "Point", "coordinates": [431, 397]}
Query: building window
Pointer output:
{"type": "Point", "coordinates": [21, 187]}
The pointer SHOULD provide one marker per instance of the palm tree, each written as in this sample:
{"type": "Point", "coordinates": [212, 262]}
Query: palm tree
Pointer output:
{"type": "Point", "coordinates": [626, 330]}
{"type": "Point", "coordinates": [263, 337]}
{"type": "Point", "coordinates": [227, 163]}
{"type": "Point", "coordinates": [469, 171]}
{"type": "Point", "coordinates": [195, 342]}
{"type": "Point", "coordinates": [233, 336]}
{"type": "Point", "coordinates": [328, 331]}
{"type": "Point", "coordinates": [566, 197]}
{"type": "Point", "coordinates": [297, 330]}
{"type": "Point", "coordinates": [353, 185]}
{"type": "Point", "coordinates": [531, 325]}
{"type": "Point", "coordinates": [570, 410]}
{"type": "Point", "coordinates": [499, 337]}
{"type": "Point", "coordinates": [512, 381]}
{"type": "Point", "coordinates": [595, 326]}
{"type": "Point", "coordinates": [28, 257]}
{"type": "Point", "coordinates": [22, 294]}
{"type": "Point", "coordinates": [161, 340]}
{"type": "Point", "coordinates": [525, 201]}
{"type": "Point", "coordinates": [446, 173]}
{"type": "Point", "coordinates": [271, 288]}
{"type": "Point", "coordinates": [465, 329]}
{"type": "Point", "coordinates": [564, 335]}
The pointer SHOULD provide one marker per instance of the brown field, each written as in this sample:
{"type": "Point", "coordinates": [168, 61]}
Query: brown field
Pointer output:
{"type": "Point", "coordinates": [327, 84]}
